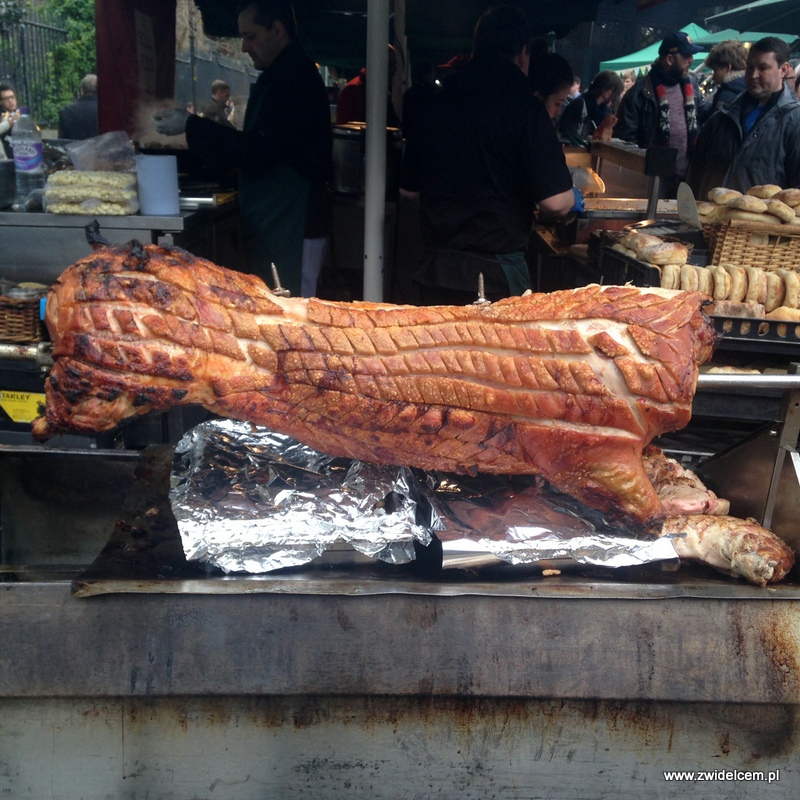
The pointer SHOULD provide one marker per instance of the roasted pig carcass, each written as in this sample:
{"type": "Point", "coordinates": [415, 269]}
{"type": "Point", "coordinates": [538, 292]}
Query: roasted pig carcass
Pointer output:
{"type": "Point", "coordinates": [569, 385]}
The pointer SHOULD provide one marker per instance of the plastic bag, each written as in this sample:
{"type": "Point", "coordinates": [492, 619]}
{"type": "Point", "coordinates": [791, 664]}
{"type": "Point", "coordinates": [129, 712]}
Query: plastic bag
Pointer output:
{"type": "Point", "coordinates": [109, 152]}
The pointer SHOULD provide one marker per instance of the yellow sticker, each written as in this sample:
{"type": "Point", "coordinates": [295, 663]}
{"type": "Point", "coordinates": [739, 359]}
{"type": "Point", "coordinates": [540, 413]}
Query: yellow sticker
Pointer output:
{"type": "Point", "coordinates": [21, 406]}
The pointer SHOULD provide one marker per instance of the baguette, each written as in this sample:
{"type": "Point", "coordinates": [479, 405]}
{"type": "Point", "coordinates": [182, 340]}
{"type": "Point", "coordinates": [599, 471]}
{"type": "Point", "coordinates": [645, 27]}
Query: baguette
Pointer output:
{"type": "Point", "coordinates": [750, 216]}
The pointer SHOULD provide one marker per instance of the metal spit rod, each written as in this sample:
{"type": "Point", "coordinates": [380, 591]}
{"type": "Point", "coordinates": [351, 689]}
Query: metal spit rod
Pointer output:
{"type": "Point", "coordinates": [38, 353]}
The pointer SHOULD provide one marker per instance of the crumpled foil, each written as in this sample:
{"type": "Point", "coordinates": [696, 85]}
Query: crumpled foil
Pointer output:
{"type": "Point", "coordinates": [250, 500]}
{"type": "Point", "coordinates": [486, 520]}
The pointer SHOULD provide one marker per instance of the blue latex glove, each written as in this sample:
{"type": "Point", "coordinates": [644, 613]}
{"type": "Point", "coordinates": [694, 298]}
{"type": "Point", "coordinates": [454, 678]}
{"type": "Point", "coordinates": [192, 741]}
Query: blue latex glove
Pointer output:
{"type": "Point", "coordinates": [578, 207]}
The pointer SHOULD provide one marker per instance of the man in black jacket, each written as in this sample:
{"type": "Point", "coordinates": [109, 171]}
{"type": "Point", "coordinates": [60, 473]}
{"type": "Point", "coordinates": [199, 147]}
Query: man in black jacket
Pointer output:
{"type": "Point", "coordinates": [284, 153]}
{"type": "Point", "coordinates": [486, 155]}
{"type": "Point", "coordinates": [665, 107]}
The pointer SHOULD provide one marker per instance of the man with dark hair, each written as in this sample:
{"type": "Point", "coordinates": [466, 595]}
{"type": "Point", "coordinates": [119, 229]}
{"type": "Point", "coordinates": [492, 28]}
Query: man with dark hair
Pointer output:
{"type": "Point", "coordinates": [486, 155]}
{"type": "Point", "coordinates": [756, 138]}
{"type": "Point", "coordinates": [219, 108]}
{"type": "Point", "coordinates": [78, 120]}
{"type": "Point", "coordinates": [665, 107]}
{"type": "Point", "coordinates": [284, 153]}
{"type": "Point", "coordinates": [585, 114]}
{"type": "Point", "coordinates": [9, 114]}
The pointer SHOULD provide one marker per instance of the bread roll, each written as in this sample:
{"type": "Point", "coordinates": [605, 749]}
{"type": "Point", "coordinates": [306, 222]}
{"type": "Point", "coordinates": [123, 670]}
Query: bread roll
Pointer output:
{"type": "Point", "coordinates": [705, 280]}
{"type": "Point", "coordinates": [690, 281]}
{"type": "Point", "coordinates": [764, 190]}
{"type": "Point", "coordinates": [748, 203]}
{"type": "Point", "coordinates": [738, 282]}
{"type": "Point", "coordinates": [722, 283]}
{"type": "Point", "coordinates": [722, 196]}
{"type": "Point", "coordinates": [789, 196]}
{"type": "Point", "coordinates": [776, 291]}
{"type": "Point", "coordinates": [785, 314]}
{"type": "Point", "coordinates": [780, 210]}
{"type": "Point", "coordinates": [756, 285]}
{"type": "Point", "coordinates": [727, 308]}
{"type": "Point", "coordinates": [791, 282]}
{"type": "Point", "coordinates": [670, 276]}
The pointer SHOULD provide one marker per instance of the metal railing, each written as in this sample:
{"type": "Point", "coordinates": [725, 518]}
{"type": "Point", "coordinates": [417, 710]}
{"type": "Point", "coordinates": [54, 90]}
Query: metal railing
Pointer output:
{"type": "Point", "coordinates": [25, 60]}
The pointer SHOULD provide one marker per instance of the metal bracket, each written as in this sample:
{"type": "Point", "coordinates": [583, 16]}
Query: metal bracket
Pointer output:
{"type": "Point", "coordinates": [787, 442]}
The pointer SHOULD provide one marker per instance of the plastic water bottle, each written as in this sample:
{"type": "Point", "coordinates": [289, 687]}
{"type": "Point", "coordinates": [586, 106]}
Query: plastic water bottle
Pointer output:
{"type": "Point", "coordinates": [26, 142]}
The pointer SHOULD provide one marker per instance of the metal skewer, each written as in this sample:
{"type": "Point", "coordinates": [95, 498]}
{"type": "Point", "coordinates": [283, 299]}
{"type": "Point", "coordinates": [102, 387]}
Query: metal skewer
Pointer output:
{"type": "Point", "coordinates": [278, 290]}
{"type": "Point", "coordinates": [482, 300]}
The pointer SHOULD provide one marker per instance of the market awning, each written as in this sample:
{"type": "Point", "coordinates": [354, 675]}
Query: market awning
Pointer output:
{"type": "Point", "coordinates": [765, 15]}
{"type": "Point", "coordinates": [334, 31]}
{"type": "Point", "coordinates": [646, 56]}
{"type": "Point", "coordinates": [741, 36]}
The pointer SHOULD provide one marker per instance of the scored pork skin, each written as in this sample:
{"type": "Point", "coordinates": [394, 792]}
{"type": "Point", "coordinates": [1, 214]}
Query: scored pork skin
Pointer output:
{"type": "Point", "coordinates": [570, 385]}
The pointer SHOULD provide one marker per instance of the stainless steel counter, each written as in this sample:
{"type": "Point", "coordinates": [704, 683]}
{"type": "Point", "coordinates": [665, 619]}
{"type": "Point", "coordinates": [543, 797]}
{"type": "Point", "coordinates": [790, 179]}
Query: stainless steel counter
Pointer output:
{"type": "Point", "coordinates": [39, 246]}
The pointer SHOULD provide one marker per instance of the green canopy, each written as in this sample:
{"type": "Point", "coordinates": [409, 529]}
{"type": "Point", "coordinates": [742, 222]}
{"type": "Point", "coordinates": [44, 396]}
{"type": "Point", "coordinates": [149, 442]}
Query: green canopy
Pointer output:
{"type": "Point", "coordinates": [743, 36]}
{"type": "Point", "coordinates": [646, 56]}
{"type": "Point", "coordinates": [766, 15]}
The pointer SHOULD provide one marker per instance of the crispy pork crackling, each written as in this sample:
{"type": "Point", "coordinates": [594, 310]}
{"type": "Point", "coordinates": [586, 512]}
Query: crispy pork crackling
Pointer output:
{"type": "Point", "coordinates": [570, 385]}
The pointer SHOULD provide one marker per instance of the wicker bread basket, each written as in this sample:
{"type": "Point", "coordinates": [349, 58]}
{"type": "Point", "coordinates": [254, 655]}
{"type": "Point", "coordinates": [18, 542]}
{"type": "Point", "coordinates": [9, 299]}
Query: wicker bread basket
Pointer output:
{"type": "Point", "coordinates": [19, 321]}
{"type": "Point", "coordinates": [753, 245]}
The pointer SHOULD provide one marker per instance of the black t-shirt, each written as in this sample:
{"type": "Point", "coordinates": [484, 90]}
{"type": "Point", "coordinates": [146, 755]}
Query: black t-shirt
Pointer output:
{"type": "Point", "coordinates": [487, 153]}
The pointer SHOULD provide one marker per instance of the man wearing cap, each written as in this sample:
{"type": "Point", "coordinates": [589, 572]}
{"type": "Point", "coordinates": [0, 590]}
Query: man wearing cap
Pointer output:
{"type": "Point", "coordinates": [665, 107]}
{"type": "Point", "coordinates": [754, 139]}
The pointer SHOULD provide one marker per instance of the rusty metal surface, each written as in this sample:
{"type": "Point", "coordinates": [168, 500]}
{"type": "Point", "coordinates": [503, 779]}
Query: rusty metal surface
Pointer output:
{"type": "Point", "coordinates": [672, 649]}
{"type": "Point", "coordinates": [318, 748]}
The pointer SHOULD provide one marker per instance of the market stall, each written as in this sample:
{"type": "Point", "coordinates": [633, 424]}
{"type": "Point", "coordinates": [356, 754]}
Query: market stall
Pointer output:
{"type": "Point", "coordinates": [134, 670]}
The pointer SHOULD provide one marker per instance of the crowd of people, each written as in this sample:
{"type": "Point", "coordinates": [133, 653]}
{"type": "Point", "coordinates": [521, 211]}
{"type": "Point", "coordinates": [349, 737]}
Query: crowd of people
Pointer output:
{"type": "Point", "coordinates": [484, 136]}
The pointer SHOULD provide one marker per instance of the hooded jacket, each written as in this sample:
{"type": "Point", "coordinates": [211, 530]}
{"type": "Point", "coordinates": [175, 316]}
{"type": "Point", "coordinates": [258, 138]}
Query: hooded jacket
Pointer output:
{"type": "Point", "coordinates": [770, 153]}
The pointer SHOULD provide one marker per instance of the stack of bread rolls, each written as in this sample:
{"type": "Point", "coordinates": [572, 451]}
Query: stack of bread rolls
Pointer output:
{"type": "Point", "coordinates": [765, 204]}
{"type": "Point", "coordinates": [741, 291]}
